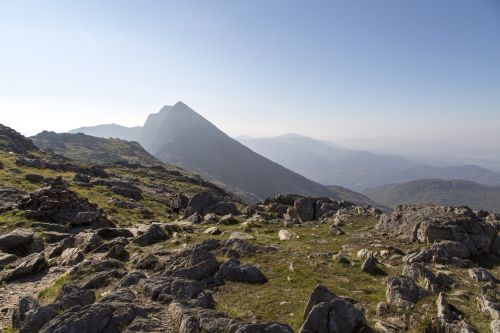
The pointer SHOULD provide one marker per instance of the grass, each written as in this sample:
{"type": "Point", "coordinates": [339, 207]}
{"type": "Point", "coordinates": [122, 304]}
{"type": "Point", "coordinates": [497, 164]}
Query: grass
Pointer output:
{"type": "Point", "coordinates": [49, 294]}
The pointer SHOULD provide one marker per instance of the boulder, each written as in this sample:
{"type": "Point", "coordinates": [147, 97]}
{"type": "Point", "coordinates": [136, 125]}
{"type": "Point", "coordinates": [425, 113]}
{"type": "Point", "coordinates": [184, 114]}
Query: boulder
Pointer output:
{"type": "Point", "coordinates": [117, 251]}
{"type": "Point", "coordinates": [153, 233]}
{"type": "Point", "coordinates": [29, 265]}
{"type": "Point", "coordinates": [224, 208]}
{"type": "Point", "coordinates": [71, 257]}
{"type": "Point", "coordinates": [304, 207]}
{"type": "Point", "coordinates": [233, 270]}
{"type": "Point", "coordinates": [404, 292]}
{"type": "Point", "coordinates": [370, 266]}
{"type": "Point", "coordinates": [212, 231]}
{"type": "Point", "coordinates": [285, 235]}
{"type": "Point", "coordinates": [88, 241]}
{"type": "Point", "coordinates": [328, 313]}
{"type": "Point", "coordinates": [20, 242]}
{"type": "Point", "coordinates": [66, 243]}
{"type": "Point", "coordinates": [228, 219]}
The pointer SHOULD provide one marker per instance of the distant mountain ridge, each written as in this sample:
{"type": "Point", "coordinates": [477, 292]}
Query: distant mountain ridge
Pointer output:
{"type": "Point", "coordinates": [441, 192]}
{"type": "Point", "coordinates": [111, 131]}
{"type": "Point", "coordinates": [361, 171]}
{"type": "Point", "coordinates": [179, 135]}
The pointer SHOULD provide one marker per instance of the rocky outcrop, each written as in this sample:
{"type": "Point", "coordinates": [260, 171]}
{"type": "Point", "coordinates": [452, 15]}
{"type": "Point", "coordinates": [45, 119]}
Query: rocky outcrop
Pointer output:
{"type": "Point", "coordinates": [458, 232]}
{"type": "Point", "coordinates": [29, 265]}
{"type": "Point", "coordinates": [12, 141]}
{"type": "Point", "coordinates": [56, 203]}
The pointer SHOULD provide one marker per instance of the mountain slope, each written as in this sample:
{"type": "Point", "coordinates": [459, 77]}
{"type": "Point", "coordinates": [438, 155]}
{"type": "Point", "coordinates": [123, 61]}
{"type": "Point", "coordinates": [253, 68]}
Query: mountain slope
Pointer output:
{"type": "Point", "coordinates": [442, 192]}
{"type": "Point", "coordinates": [327, 163]}
{"type": "Point", "coordinates": [190, 141]}
{"type": "Point", "coordinates": [111, 131]}
{"type": "Point", "coordinates": [90, 149]}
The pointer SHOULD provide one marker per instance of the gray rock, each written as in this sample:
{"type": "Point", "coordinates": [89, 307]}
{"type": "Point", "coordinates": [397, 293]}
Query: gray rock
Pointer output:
{"type": "Point", "coordinates": [370, 266]}
{"type": "Point", "coordinates": [17, 241]}
{"type": "Point", "coordinates": [305, 209]}
{"type": "Point", "coordinates": [88, 241]}
{"type": "Point", "coordinates": [117, 251]}
{"type": "Point", "coordinates": [131, 279]}
{"type": "Point", "coordinates": [34, 178]}
{"type": "Point", "coordinates": [233, 270]}
{"type": "Point", "coordinates": [331, 314]}
{"type": "Point", "coordinates": [404, 292]}
{"type": "Point", "coordinates": [212, 231]}
{"type": "Point", "coordinates": [66, 243]}
{"type": "Point", "coordinates": [152, 234]}
{"type": "Point", "coordinates": [71, 257]}
{"type": "Point", "coordinates": [29, 265]}
{"type": "Point", "coordinates": [481, 275]}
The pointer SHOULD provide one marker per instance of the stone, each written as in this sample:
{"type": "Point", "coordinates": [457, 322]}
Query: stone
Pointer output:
{"type": "Point", "coordinates": [29, 265]}
{"type": "Point", "coordinates": [328, 313]}
{"type": "Point", "coordinates": [34, 178]}
{"type": "Point", "coordinates": [481, 275]}
{"type": "Point", "coordinates": [285, 235]}
{"type": "Point", "coordinates": [117, 251]}
{"type": "Point", "coordinates": [88, 241]}
{"type": "Point", "coordinates": [153, 233]}
{"type": "Point", "coordinates": [64, 244]}
{"type": "Point", "coordinates": [212, 231]}
{"type": "Point", "coordinates": [403, 292]}
{"type": "Point", "coordinates": [9, 197]}
{"type": "Point", "coordinates": [336, 231]}
{"type": "Point", "coordinates": [109, 233]}
{"type": "Point", "coordinates": [18, 241]}
{"type": "Point", "coordinates": [370, 266]}
{"type": "Point", "coordinates": [71, 257]}
{"type": "Point", "coordinates": [341, 258]}
{"type": "Point", "coordinates": [241, 235]}
{"type": "Point", "coordinates": [304, 207]}
{"type": "Point", "coordinates": [228, 219]}
{"type": "Point", "coordinates": [131, 279]}
{"type": "Point", "coordinates": [233, 270]}
{"type": "Point", "coordinates": [224, 208]}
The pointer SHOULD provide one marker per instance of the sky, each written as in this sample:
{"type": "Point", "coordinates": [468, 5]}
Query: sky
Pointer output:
{"type": "Point", "coordinates": [414, 69]}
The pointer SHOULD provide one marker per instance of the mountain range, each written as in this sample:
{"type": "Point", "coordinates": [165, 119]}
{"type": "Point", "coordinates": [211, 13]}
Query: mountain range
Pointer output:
{"type": "Point", "coordinates": [442, 192]}
{"type": "Point", "coordinates": [180, 136]}
{"type": "Point", "coordinates": [255, 168]}
{"type": "Point", "coordinates": [327, 163]}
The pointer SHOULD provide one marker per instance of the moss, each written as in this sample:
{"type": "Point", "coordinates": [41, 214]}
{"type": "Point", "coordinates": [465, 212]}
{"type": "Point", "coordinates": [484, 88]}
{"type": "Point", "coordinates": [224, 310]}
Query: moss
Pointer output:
{"type": "Point", "coordinates": [49, 294]}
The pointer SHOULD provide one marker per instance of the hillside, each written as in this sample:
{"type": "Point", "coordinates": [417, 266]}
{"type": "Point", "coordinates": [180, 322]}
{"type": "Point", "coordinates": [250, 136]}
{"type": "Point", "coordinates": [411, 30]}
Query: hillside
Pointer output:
{"type": "Point", "coordinates": [97, 248]}
{"type": "Point", "coordinates": [91, 149]}
{"type": "Point", "coordinates": [328, 163]}
{"type": "Point", "coordinates": [441, 192]}
{"type": "Point", "coordinates": [180, 136]}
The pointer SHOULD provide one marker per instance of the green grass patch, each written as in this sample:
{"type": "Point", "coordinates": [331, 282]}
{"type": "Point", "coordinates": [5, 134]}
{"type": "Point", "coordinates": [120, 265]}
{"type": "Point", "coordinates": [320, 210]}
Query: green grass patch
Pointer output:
{"type": "Point", "coordinates": [49, 294]}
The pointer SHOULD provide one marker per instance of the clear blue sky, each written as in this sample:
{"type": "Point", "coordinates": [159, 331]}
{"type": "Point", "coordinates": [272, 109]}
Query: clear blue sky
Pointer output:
{"type": "Point", "coordinates": [325, 69]}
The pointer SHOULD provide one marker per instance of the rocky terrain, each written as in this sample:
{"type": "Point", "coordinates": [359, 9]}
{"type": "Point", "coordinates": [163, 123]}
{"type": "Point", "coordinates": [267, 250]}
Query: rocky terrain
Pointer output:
{"type": "Point", "coordinates": [97, 248]}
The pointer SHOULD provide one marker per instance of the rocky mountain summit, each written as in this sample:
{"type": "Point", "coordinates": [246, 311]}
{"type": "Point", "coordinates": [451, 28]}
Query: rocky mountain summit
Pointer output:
{"type": "Point", "coordinates": [98, 248]}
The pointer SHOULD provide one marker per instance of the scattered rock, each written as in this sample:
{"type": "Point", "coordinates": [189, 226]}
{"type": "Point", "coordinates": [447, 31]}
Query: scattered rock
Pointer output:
{"type": "Point", "coordinates": [404, 292]}
{"type": "Point", "coordinates": [151, 234]}
{"type": "Point", "coordinates": [241, 235]}
{"type": "Point", "coordinates": [233, 270]}
{"type": "Point", "coordinates": [285, 235]}
{"type": "Point", "coordinates": [212, 231]}
{"type": "Point", "coordinates": [370, 266]}
{"type": "Point", "coordinates": [71, 257]}
{"type": "Point", "coordinates": [328, 313]}
{"type": "Point", "coordinates": [29, 265]}
{"type": "Point", "coordinates": [34, 178]}
{"type": "Point", "coordinates": [481, 275]}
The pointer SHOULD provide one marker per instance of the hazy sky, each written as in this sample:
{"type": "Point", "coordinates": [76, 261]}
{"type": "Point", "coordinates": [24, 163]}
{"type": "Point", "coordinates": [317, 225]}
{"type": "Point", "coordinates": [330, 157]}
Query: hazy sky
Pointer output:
{"type": "Point", "coordinates": [327, 69]}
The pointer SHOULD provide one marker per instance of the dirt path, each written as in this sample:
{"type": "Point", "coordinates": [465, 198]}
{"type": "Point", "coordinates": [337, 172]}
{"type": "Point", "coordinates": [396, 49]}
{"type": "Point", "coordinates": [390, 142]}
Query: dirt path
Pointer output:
{"type": "Point", "coordinates": [11, 292]}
